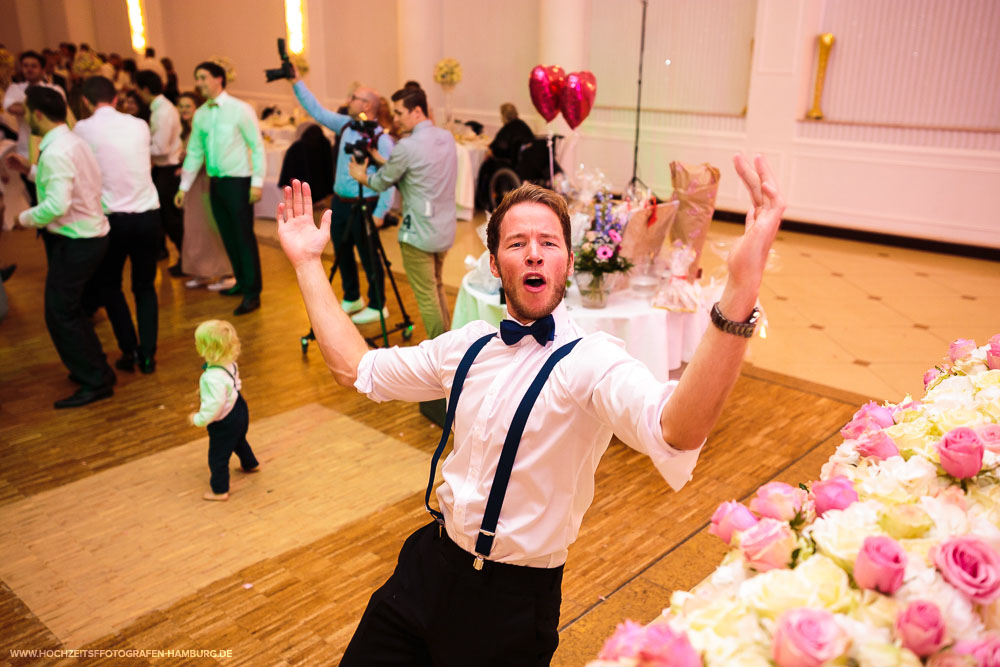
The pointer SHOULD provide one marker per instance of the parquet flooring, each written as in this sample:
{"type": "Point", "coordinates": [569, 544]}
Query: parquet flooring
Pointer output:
{"type": "Point", "coordinates": [308, 585]}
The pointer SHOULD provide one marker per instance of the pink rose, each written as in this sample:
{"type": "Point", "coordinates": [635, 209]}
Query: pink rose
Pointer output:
{"type": "Point", "coordinates": [960, 347]}
{"type": "Point", "coordinates": [903, 407]}
{"type": "Point", "coordinates": [665, 648]}
{"type": "Point", "coordinates": [858, 427]}
{"type": "Point", "coordinates": [986, 651]}
{"type": "Point", "coordinates": [881, 415]}
{"type": "Point", "coordinates": [971, 566]}
{"type": "Point", "coordinates": [921, 628]}
{"type": "Point", "coordinates": [730, 517]}
{"type": "Point", "coordinates": [768, 545]}
{"type": "Point", "coordinates": [807, 638]}
{"type": "Point", "coordinates": [877, 445]}
{"type": "Point", "coordinates": [989, 435]}
{"type": "Point", "coordinates": [995, 339]}
{"type": "Point", "coordinates": [778, 500]}
{"type": "Point", "coordinates": [993, 355]}
{"type": "Point", "coordinates": [654, 645]}
{"type": "Point", "coordinates": [961, 452]}
{"type": "Point", "coordinates": [951, 659]}
{"type": "Point", "coordinates": [880, 565]}
{"type": "Point", "coordinates": [835, 493]}
{"type": "Point", "coordinates": [931, 375]}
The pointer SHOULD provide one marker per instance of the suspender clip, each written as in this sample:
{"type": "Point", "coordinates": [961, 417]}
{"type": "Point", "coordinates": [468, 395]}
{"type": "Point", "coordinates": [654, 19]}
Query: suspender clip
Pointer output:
{"type": "Point", "coordinates": [477, 564]}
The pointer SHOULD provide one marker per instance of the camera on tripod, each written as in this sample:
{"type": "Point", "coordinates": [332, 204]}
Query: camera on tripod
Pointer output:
{"type": "Point", "coordinates": [286, 70]}
{"type": "Point", "coordinates": [369, 131]}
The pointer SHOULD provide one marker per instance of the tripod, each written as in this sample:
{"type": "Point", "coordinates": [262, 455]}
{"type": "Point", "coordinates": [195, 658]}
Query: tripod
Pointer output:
{"type": "Point", "coordinates": [376, 254]}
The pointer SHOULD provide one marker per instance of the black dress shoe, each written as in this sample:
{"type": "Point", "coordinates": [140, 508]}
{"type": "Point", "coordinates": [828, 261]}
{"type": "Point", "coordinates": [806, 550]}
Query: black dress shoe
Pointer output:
{"type": "Point", "coordinates": [176, 270]}
{"type": "Point", "coordinates": [247, 306]}
{"type": "Point", "coordinates": [127, 362]}
{"type": "Point", "coordinates": [235, 290]}
{"type": "Point", "coordinates": [7, 271]}
{"type": "Point", "coordinates": [147, 365]}
{"type": "Point", "coordinates": [83, 396]}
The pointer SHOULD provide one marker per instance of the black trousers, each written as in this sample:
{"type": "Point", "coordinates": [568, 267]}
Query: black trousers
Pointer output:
{"type": "Point", "coordinates": [135, 236]}
{"type": "Point", "coordinates": [226, 437]}
{"type": "Point", "coordinates": [71, 265]}
{"type": "Point", "coordinates": [233, 213]}
{"type": "Point", "coordinates": [347, 231]}
{"type": "Point", "coordinates": [167, 183]}
{"type": "Point", "coordinates": [436, 609]}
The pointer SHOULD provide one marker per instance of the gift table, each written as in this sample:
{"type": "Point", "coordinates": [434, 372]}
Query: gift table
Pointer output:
{"type": "Point", "coordinates": [659, 338]}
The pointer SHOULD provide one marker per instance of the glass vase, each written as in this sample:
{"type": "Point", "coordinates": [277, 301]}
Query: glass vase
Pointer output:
{"type": "Point", "coordinates": [594, 289]}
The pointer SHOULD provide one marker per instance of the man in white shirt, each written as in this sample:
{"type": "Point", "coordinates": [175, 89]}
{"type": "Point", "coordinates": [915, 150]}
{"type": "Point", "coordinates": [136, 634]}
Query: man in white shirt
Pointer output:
{"type": "Point", "coordinates": [75, 232]}
{"type": "Point", "coordinates": [33, 70]}
{"type": "Point", "coordinates": [223, 131]}
{"type": "Point", "coordinates": [151, 62]}
{"type": "Point", "coordinates": [165, 149]}
{"type": "Point", "coordinates": [121, 144]}
{"type": "Point", "coordinates": [481, 584]}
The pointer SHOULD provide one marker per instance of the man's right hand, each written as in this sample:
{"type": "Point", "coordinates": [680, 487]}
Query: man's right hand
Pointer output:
{"type": "Point", "coordinates": [179, 199]}
{"type": "Point", "coordinates": [301, 240]}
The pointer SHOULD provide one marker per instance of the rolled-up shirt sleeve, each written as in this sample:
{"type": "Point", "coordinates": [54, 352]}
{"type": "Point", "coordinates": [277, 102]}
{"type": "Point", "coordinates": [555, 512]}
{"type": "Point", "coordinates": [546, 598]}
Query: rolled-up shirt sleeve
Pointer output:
{"type": "Point", "coordinates": [56, 181]}
{"type": "Point", "coordinates": [627, 398]}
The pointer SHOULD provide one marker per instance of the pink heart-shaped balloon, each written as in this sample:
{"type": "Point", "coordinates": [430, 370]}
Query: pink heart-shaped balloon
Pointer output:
{"type": "Point", "coordinates": [545, 85]}
{"type": "Point", "coordinates": [577, 98]}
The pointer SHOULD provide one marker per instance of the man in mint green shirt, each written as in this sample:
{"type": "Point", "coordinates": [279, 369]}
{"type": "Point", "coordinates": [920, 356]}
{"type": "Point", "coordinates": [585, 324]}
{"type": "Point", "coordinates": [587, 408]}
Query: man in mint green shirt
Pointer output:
{"type": "Point", "coordinates": [224, 129]}
{"type": "Point", "coordinates": [75, 232]}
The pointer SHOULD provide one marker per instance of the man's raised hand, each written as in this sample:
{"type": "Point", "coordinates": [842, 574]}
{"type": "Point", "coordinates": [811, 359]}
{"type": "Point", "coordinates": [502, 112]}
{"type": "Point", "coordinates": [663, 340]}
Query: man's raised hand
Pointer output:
{"type": "Point", "coordinates": [748, 256]}
{"type": "Point", "coordinates": [301, 240]}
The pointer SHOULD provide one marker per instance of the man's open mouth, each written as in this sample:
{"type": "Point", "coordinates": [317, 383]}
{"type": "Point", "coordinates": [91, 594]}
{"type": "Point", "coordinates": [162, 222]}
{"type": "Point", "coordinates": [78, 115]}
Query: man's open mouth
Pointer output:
{"type": "Point", "coordinates": [534, 282]}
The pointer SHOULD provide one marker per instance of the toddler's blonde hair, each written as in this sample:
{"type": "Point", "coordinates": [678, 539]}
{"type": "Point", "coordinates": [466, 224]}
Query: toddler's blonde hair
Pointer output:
{"type": "Point", "coordinates": [217, 342]}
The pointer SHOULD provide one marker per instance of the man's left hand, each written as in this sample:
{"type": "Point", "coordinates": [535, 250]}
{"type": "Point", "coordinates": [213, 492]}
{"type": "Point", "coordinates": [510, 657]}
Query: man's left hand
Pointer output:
{"type": "Point", "coordinates": [255, 195]}
{"type": "Point", "coordinates": [359, 171]}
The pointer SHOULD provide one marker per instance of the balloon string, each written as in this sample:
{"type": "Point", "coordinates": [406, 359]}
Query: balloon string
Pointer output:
{"type": "Point", "coordinates": [552, 175]}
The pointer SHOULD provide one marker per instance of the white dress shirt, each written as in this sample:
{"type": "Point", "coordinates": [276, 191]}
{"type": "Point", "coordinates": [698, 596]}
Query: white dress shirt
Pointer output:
{"type": "Point", "coordinates": [16, 94]}
{"type": "Point", "coordinates": [69, 188]}
{"type": "Point", "coordinates": [121, 144]}
{"type": "Point", "coordinates": [596, 391]}
{"type": "Point", "coordinates": [164, 132]}
{"type": "Point", "coordinates": [219, 391]}
{"type": "Point", "coordinates": [225, 138]}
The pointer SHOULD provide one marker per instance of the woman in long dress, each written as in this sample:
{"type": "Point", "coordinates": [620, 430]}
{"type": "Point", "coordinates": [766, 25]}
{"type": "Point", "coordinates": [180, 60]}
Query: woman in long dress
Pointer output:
{"type": "Point", "coordinates": [203, 256]}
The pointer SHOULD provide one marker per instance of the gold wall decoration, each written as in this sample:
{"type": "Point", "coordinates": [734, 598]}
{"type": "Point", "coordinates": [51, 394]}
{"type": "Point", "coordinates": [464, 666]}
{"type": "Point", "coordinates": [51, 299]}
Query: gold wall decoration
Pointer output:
{"type": "Point", "coordinates": [825, 42]}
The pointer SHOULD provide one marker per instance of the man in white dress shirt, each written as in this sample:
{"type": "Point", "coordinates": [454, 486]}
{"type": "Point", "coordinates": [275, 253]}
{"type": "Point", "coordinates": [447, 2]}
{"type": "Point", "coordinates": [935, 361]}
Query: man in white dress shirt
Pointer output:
{"type": "Point", "coordinates": [75, 232]}
{"type": "Point", "coordinates": [481, 585]}
{"type": "Point", "coordinates": [223, 132]}
{"type": "Point", "coordinates": [165, 149]}
{"type": "Point", "coordinates": [121, 144]}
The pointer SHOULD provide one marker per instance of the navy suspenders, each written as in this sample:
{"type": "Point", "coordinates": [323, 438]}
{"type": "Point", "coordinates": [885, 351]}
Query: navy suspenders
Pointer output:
{"type": "Point", "coordinates": [491, 516]}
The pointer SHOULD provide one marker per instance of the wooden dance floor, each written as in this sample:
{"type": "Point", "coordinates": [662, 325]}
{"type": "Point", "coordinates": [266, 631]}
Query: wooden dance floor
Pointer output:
{"type": "Point", "coordinates": [105, 542]}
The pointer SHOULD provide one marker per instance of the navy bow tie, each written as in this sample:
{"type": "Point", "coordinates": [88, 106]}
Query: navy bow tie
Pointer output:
{"type": "Point", "coordinates": [543, 330]}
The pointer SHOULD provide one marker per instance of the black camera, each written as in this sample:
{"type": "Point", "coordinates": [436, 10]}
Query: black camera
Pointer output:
{"type": "Point", "coordinates": [369, 131]}
{"type": "Point", "coordinates": [285, 71]}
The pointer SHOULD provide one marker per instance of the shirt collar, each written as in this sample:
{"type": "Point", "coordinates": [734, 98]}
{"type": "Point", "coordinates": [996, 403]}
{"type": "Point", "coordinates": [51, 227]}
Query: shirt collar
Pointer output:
{"type": "Point", "coordinates": [221, 98]}
{"type": "Point", "coordinates": [423, 123]}
{"type": "Point", "coordinates": [52, 135]}
{"type": "Point", "coordinates": [156, 102]}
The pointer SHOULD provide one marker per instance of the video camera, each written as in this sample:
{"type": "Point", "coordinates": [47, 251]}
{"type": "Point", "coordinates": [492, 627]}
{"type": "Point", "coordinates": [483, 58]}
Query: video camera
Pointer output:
{"type": "Point", "coordinates": [286, 70]}
{"type": "Point", "coordinates": [369, 131]}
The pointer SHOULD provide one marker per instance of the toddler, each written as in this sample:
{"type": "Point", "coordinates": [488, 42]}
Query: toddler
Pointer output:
{"type": "Point", "coordinates": [223, 409]}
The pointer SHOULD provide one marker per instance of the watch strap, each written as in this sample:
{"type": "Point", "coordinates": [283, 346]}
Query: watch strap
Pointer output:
{"type": "Point", "coordinates": [744, 329]}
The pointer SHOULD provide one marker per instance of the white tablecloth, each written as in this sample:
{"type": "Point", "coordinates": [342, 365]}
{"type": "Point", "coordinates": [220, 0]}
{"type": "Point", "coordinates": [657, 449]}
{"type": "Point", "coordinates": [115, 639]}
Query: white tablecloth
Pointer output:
{"type": "Point", "coordinates": [659, 338]}
{"type": "Point", "coordinates": [274, 154]}
{"type": "Point", "coordinates": [470, 159]}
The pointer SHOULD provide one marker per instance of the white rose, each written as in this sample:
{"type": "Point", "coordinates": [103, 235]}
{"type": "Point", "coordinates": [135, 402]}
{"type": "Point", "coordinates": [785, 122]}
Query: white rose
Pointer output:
{"type": "Point", "coordinates": [862, 632]}
{"type": "Point", "coordinates": [827, 584]}
{"type": "Point", "coordinates": [876, 610]}
{"type": "Point", "coordinates": [949, 519]}
{"type": "Point", "coordinates": [840, 533]}
{"type": "Point", "coordinates": [955, 384]}
{"type": "Point", "coordinates": [773, 592]}
{"type": "Point", "coordinates": [896, 480]}
{"type": "Point", "coordinates": [958, 612]}
{"type": "Point", "coordinates": [883, 655]}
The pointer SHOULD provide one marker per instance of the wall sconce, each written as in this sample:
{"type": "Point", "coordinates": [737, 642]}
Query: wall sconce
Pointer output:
{"type": "Point", "coordinates": [137, 25]}
{"type": "Point", "coordinates": [294, 22]}
{"type": "Point", "coordinates": [825, 42]}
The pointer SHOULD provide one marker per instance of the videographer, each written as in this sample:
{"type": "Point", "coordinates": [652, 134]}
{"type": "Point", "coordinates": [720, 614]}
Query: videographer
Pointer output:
{"type": "Point", "coordinates": [347, 228]}
{"type": "Point", "coordinates": [424, 166]}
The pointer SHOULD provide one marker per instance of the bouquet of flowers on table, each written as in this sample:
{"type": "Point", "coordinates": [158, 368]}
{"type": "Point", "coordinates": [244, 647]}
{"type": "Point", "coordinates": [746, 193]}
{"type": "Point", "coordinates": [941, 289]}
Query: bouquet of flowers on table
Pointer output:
{"type": "Point", "coordinates": [599, 252]}
{"type": "Point", "coordinates": [891, 558]}
{"type": "Point", "coordinates": [448, 73]}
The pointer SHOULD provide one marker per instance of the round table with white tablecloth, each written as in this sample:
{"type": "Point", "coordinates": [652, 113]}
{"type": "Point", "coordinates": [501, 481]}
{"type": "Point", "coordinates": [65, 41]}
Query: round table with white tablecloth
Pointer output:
{"type": "Point", "coordinates": [661, 339]}
{"type": "Point", "coordinates": [274, 154]}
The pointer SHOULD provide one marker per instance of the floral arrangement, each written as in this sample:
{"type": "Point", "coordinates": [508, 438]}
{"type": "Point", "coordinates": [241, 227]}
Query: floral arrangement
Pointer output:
{"type": "Point", "coordinates": [448, 72]}
{"type": "Point", "coordinates": [600, 251]}
{"type": "Point", "coordinates": [891, 558]}
{"type": "Point", "coordinates": [86, 63]}
{"type": "Point", "coordinates": [300, 62]}
{"type": "Point", "coordinates": [226, 64]}
{"type": "Point", "coordinates": [6, 61]}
